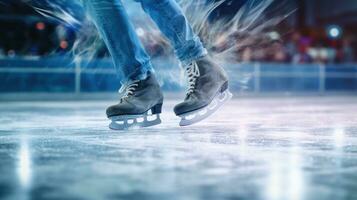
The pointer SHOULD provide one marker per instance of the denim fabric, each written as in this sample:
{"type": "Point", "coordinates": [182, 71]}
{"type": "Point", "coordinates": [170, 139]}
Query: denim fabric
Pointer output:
{"type": "Point", "coordinates": [130, 58]}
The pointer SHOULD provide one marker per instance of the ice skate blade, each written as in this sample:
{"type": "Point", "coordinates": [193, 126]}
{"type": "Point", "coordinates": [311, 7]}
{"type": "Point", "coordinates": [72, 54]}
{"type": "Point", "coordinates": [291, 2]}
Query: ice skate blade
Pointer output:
{"type": "Point", "coordinates": [201, 114]}
{"type": "Point", "coordinates": [133, 121]}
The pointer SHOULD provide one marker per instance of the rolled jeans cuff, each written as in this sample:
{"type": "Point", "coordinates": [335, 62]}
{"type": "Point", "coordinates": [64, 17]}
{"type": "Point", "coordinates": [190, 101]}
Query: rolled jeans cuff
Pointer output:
{"type": "Point", "coordinates": [140, 73]}
{"type": "Point", "coordinates": [191, 51]}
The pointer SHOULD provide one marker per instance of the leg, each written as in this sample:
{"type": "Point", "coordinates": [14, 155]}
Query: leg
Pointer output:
{"type": "Point", "coordinates": [130, 59]}
{"type": "Point", "coordinates": [207, 82]}
{"type": "Point", "coordinates": [169, 17]}
{"type": "Point", "coordinates": [141, 97]}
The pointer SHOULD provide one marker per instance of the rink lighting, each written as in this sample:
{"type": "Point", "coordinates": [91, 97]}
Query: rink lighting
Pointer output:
{"type": "Point", "coordinates": [339, 137]}
{"type": "Point", "coordinates": [274, 35]}
{"type": "Point", "coordinates": [286, 180]}
{"type": "Point", "coordinates": [40, 26]}
{"type": "Point", "coordinates": [334, 31]}
{"type": "Point", "coordinates": [140, 32]}
{"type": "Point", "coordinates": [64, 44]}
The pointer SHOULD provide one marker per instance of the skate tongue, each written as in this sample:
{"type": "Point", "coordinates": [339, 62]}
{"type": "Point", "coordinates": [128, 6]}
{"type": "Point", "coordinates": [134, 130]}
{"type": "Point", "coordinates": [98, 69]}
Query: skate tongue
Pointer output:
{"type": "Point", "coordinates": [187, 97]}
{"type": "Point", "coordinates": [190, 96]}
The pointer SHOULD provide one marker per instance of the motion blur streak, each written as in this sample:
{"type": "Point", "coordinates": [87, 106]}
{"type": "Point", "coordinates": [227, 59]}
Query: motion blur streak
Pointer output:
{"type": "Point", "coordinates": [223, 36]}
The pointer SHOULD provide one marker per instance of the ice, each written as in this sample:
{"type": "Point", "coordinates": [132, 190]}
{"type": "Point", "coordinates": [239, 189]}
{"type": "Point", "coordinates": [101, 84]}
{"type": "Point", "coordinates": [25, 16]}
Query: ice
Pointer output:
{"type": "Point", "coordinates": [253, 148]}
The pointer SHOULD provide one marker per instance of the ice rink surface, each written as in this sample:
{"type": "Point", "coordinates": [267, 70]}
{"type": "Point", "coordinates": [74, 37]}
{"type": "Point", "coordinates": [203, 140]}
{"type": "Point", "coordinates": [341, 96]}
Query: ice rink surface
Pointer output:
{"type": "Point", "coordinates": [253, 148]}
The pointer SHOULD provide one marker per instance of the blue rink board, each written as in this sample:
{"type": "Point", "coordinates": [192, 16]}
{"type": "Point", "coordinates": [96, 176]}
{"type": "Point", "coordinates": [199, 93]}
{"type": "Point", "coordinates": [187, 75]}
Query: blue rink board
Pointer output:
{"type": "Point", "coordinates": [99, 76]}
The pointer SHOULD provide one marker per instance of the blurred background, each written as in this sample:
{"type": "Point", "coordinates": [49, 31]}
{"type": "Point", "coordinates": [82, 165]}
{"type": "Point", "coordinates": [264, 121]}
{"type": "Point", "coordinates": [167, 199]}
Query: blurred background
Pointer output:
{"type": "Point", "coordinates": [290, 133]}
{"type": "Point", "coordinates": [312, 50]}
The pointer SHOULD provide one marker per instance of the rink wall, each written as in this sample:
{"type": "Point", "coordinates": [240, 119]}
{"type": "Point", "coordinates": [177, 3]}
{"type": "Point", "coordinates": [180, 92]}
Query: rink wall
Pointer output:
{"type": "Point", "coordinates": [61, 75]}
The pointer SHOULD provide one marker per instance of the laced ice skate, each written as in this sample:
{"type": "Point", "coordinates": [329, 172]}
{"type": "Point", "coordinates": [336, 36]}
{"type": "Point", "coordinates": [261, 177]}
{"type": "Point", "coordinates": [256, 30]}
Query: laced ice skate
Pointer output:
{"type": "Point", "coordinates": [207, 91]}
{"type": "Point", "coordinates": [140, 105]}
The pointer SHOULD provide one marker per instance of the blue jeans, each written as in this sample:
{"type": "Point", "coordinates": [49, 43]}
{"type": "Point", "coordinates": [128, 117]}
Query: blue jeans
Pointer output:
{"type": "Point", "coordinates": [130, 58]}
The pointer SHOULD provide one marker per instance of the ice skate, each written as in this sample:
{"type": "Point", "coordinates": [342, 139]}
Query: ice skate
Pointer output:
{"type": "Point", "coordinates": [140, 105]}
{"type": "Point", "coordinates": [207, 91]}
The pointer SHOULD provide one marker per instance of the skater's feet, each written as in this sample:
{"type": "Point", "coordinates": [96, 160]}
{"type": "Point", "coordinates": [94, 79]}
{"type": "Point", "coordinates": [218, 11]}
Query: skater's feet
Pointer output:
{"type": "Point", "coordinates": [207, 91]}
{"type": "Point", "coordinates": [140, 102]}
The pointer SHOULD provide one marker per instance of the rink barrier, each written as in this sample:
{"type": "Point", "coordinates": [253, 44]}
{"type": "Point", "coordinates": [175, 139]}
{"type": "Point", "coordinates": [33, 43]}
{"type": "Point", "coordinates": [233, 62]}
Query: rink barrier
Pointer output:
{"type": "Point", "coordinates": [58, 75]}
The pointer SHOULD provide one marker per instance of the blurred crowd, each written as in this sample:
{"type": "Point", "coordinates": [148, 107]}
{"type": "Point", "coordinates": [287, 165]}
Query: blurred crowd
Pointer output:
{"type": "Point", "coordinates": [300, 48]}
{"type": "Point", "coordinates": [40, 39]}
{"type": "Point", "coordinates": [34, 39]}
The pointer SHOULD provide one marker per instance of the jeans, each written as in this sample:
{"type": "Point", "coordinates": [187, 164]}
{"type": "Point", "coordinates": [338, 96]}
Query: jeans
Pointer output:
{"type": "Point", "coordinates": [129, 56]}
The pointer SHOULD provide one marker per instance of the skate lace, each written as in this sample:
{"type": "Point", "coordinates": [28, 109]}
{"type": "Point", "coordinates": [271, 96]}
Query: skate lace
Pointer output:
{"type": "Point", "coordinates": [128, 89]}
{"type": "Point", "coordinates": [193, 73]}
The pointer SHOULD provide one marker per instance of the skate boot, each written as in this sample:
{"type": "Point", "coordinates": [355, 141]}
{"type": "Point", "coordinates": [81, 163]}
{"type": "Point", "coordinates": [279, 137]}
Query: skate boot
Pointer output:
{"type": "Point", "coordinates": [207, 91]}
{"type": "Point", "coordinates": [140, 105]}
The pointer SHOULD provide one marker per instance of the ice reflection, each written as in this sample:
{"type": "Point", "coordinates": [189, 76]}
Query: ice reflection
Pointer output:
{"type": "Point", "coordinates": [286, 179]}
{"type": "Point", "coordinates": [242, 132]}
{"type": "Point", "coordinates": [24, 165]}
{"type": "Point", "coordinates": [339, 138]}
{"type": "Point", "coordinates": [339, 142]}
{"type": "Point", "coordinates": [296, 179]}
{"type": "Point", "coordinates": [275, 183]}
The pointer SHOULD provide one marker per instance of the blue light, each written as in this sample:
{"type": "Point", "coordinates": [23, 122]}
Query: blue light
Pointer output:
{"type": "Point", "coordinates": [334, 31]}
